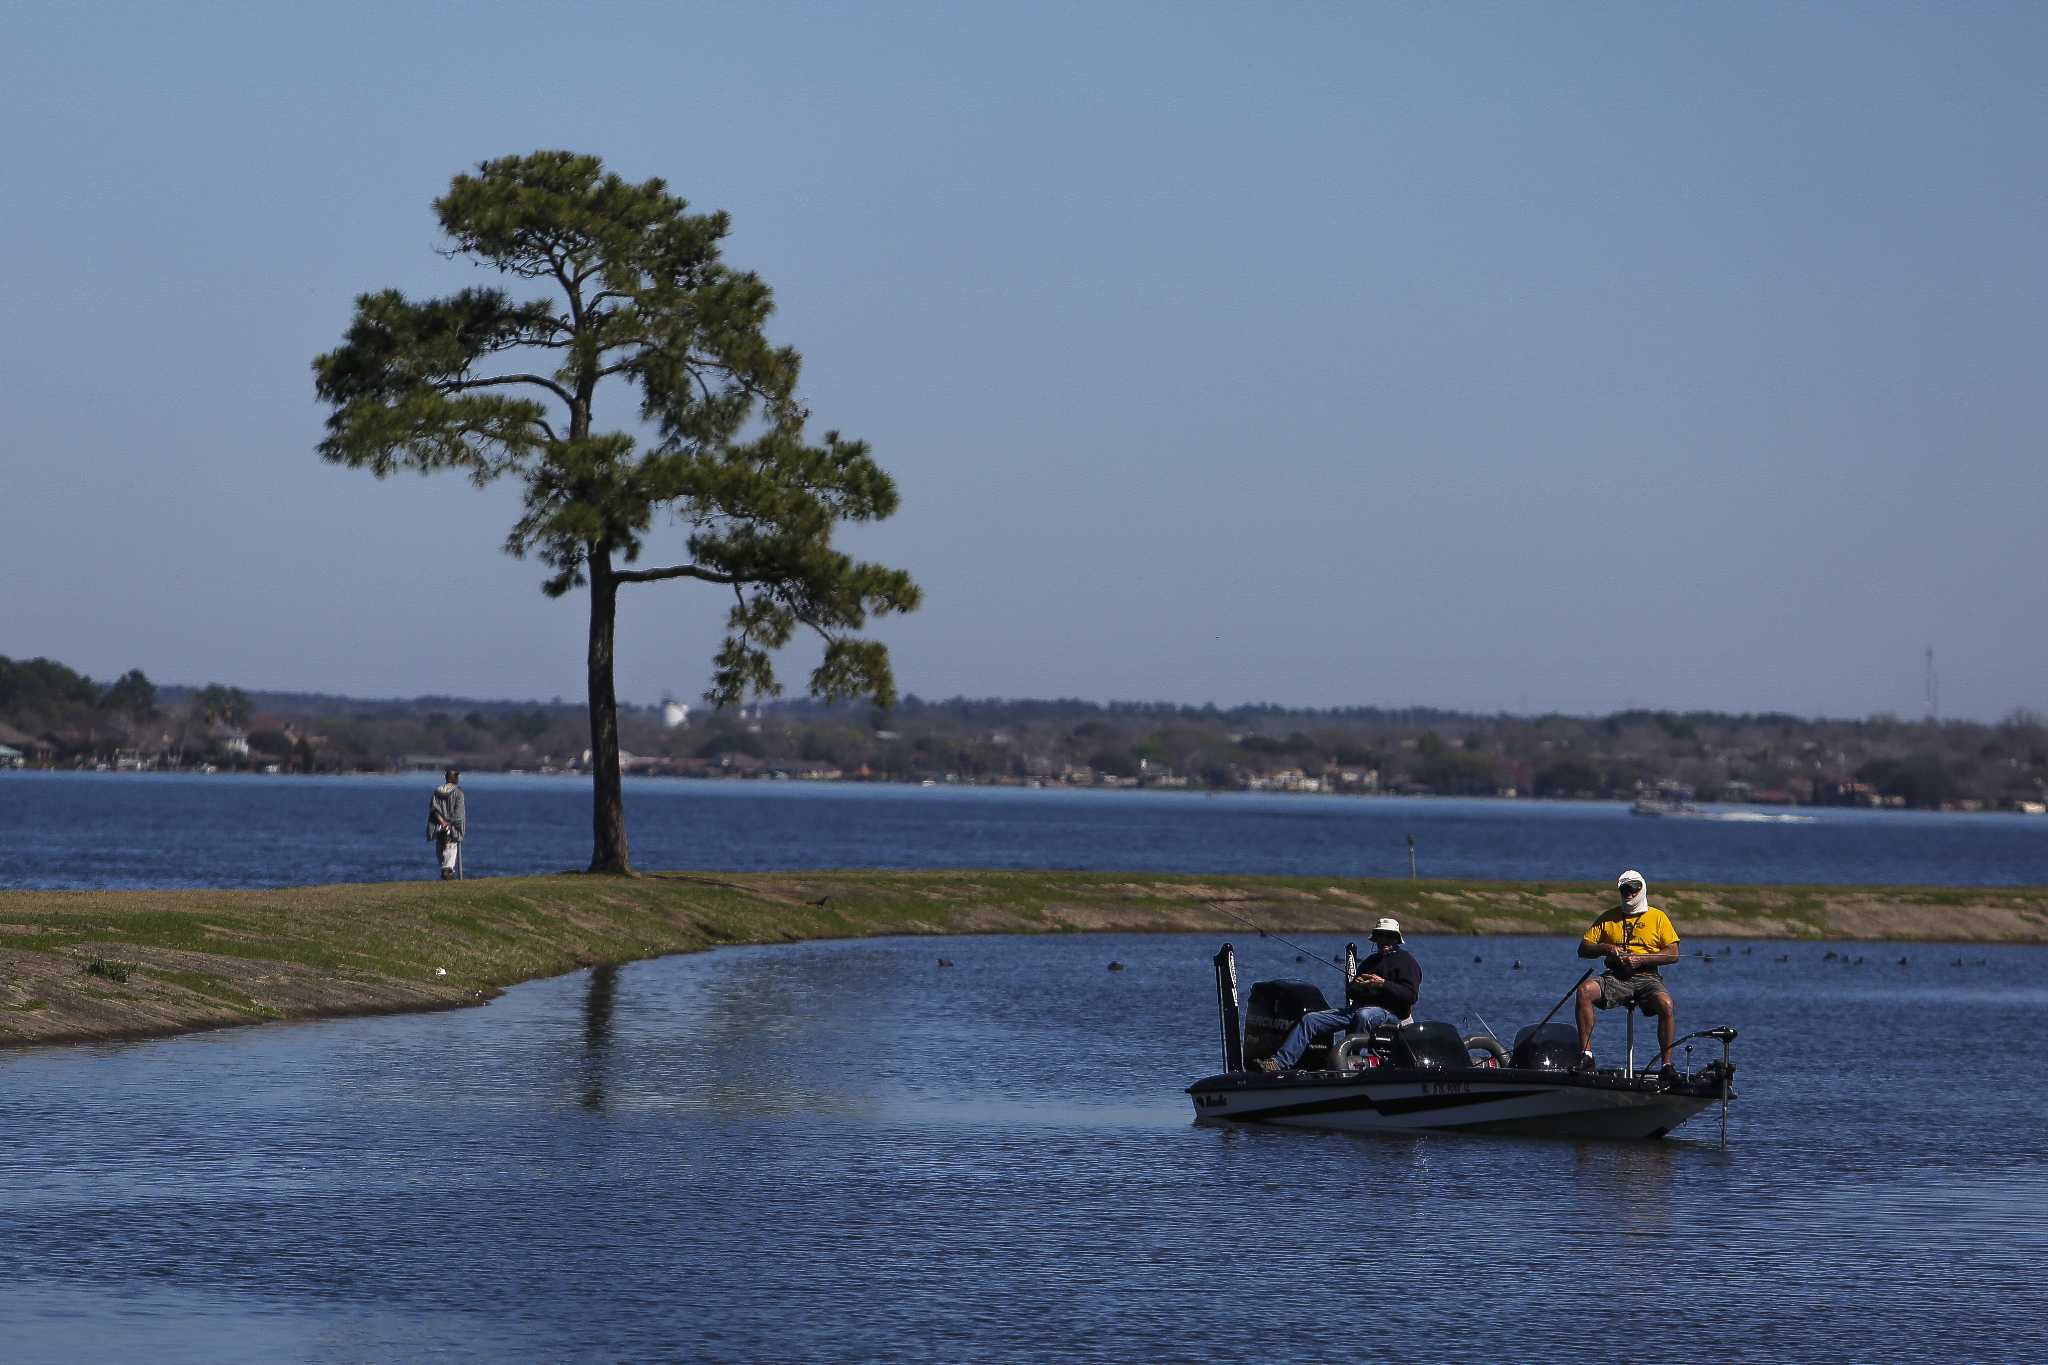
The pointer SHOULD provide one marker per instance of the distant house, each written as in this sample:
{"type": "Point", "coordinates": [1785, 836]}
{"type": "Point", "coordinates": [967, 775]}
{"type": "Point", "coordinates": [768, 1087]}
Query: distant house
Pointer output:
{"type": "Point", "coordinates": [231, 739]}
{"type": "Point", "coordinates": [11, 757]}
{"type": "Point", "coordinates": [1286, 780]}
{"type": "Point", "coordinates": [24, 747]}
{"type": "Point", "coordinates": [1359, 779]}
{"type": "Point", "coordinates": [1151, 774]}
{"type": "Point", "coordinates": [806, 769]}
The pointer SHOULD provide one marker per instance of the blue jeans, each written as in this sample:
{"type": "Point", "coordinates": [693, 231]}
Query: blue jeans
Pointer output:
{"type": "Point", "coordinates": [1323, 1025]}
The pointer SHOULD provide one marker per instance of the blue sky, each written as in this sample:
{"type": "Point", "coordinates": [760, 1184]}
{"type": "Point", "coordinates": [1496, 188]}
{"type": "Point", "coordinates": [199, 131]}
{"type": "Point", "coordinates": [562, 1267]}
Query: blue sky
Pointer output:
{"type": "Point", "coordinates": [1504, 357]}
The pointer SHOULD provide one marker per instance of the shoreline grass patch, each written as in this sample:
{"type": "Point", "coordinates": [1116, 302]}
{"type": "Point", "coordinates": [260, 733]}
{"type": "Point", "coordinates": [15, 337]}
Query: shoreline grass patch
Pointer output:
{"type": "Point", "coordinates": [175, 961]}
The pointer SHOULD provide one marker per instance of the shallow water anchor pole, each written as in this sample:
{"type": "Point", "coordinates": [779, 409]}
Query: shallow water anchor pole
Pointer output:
{"type": "Point", "coordinates": [1724, 1099]}
{"type": "Point", "coordinates": [1629, 1069]}
{"type": "Point", "coordinates": [1228, 1018]}
{"type": "Point", "coordinates": [1727, 1038]}
{"type": "Point", "coordinates": [1411, 857]}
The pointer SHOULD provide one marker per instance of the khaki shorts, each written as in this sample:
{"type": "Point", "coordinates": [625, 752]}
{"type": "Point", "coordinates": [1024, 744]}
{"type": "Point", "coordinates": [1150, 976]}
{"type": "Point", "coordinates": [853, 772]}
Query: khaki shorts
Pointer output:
{"type": "Point", "coordinates": [1616, 991]}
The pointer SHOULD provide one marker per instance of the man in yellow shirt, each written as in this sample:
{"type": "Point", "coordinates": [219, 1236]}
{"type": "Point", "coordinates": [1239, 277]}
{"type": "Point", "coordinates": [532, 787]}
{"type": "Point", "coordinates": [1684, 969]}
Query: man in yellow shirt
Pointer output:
{"type": "Point", "coordinates": [1635, 938]}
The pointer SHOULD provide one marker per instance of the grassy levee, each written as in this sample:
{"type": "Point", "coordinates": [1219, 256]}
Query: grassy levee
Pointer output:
{"type": "Point", "coordinates": [77, 966]}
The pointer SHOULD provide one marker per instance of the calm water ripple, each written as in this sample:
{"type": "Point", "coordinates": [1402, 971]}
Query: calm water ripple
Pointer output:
{"type": "Point", "coordinates": [842, 1151]}
{"type": "Point", "coordinates": [123, 830]}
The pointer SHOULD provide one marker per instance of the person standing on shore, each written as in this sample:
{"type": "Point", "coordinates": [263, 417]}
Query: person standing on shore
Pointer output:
{"type": "Point", "coordinates": [1635, 938]}
{"type": "Point", "coordinates": [447, 823]}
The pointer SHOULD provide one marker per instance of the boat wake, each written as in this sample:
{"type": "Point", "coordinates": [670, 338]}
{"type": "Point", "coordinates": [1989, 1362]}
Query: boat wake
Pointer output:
{"type": "Point", "coordinates": [1755, 817]}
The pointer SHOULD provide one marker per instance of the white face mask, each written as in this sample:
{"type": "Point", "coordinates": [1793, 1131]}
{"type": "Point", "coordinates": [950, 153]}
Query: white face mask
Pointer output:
{"type": "Point", "coordinates": [1640, 901]}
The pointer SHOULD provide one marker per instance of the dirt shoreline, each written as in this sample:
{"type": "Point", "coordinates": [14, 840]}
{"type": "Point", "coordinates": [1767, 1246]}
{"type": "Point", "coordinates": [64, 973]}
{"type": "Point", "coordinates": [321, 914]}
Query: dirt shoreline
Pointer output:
{"type": "Point", "coordinates": [102, 966]}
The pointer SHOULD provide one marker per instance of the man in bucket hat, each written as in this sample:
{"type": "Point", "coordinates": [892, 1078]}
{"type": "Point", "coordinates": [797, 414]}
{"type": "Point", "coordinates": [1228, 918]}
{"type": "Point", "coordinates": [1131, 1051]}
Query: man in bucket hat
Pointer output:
{"type": "Point", "coordinates": [1635, 938]}
{"type": "Point", "coordinates": [1383, 992]}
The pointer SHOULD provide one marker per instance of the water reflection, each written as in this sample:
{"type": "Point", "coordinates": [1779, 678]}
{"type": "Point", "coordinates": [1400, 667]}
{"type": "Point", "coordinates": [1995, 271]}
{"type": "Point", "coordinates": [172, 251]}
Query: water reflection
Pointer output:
{"type": "Point", "coordinates": [599, 998]}
{"type": "Point", "coordinates": [1632, 1183]}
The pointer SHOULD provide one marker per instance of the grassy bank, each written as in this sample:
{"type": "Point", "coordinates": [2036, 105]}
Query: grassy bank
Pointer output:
{"type": "Point", "coordinates": [87, 965]}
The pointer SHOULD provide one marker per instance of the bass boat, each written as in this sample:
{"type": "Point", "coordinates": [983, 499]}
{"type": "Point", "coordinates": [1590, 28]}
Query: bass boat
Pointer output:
{"type": "Point", "coordinates": [1425, 1077]}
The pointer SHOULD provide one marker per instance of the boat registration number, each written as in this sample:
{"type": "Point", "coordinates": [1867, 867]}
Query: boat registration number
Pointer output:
{"type": "Point", "coordinates": [1446, 1088]}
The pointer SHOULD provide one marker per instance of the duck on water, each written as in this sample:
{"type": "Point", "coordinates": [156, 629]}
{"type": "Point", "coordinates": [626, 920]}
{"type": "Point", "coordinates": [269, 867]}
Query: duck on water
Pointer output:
{"type": "Point", "coordinates": [1423, 1076]}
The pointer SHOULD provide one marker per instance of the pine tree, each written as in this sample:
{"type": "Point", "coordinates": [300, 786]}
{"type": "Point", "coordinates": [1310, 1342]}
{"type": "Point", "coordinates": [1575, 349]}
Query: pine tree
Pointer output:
{"type": "Point", "coordinates": [631, 289]}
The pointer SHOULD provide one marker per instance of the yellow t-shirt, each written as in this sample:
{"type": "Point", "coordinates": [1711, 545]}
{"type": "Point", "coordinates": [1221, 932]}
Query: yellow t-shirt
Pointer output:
{"type": "Point", "coordinates": [1649, 932]}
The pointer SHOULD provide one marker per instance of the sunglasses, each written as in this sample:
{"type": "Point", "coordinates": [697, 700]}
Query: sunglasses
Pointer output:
{"type": "Point", "coordinates": [1629, 888]}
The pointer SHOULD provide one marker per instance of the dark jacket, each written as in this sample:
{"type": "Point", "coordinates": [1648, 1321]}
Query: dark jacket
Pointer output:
{"type": "Point", "coordinates": [1404, 982]}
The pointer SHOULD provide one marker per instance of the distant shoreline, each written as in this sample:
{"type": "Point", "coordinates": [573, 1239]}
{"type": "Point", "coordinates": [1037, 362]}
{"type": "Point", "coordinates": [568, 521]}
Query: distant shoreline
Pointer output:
{"type": "Point", "coordinates": [82, 966]}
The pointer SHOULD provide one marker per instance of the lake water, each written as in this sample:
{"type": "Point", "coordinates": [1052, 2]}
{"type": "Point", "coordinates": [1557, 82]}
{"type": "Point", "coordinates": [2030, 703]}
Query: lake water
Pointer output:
{"type": "Point", "coordinates": [79, 830]}
{"type": "Point", "coordinates": [843, 1151]}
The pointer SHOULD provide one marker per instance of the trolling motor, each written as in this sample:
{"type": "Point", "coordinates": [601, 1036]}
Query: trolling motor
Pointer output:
{"type": "Point", "coordinates": [1722, 1070]}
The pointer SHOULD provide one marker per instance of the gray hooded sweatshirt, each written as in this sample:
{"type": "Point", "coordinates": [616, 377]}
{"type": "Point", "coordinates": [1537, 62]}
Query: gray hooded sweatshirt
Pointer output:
{"type": "Point", "coordinates": [446, 802]}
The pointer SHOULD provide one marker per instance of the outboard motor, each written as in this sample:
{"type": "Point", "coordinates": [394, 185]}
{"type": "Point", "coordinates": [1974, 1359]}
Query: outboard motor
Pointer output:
{"type": "Point", "coordinates": [1547, 1047]}
{"type": "Point", "coordinates": [1432, 1045]}
{"type": "Point", "coordinates": [1276, 1007]}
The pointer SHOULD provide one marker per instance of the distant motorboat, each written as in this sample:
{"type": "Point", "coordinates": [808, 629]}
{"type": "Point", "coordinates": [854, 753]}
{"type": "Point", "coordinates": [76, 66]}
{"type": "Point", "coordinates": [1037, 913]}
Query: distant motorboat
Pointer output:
{"type": "Point", "coordinates": [1670, 799]}
{"type": "Point", "coordinates": [1657, 805]}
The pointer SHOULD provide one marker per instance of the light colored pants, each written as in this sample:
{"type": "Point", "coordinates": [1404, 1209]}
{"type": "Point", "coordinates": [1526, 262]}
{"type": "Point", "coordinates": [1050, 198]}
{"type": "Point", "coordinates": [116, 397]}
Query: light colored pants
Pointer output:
{"type": "Point", "coordinates": [1323, 1025]}
{"type": "Point", "coordinates": [450, 850]}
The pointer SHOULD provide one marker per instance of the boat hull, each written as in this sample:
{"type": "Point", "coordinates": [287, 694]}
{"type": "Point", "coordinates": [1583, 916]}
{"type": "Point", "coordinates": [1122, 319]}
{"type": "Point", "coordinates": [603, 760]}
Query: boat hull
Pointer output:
{"type": "Point", "coordinates": [1481, 1100]}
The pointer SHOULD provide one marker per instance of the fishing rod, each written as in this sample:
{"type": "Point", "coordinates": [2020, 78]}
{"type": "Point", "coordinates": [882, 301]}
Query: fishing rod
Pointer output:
{"type": "Point", "coordinates": [1483, 1024]}
{"type": "Point", "coordinates": [1567, 995]}
{"type": "Point", "coordinates": [1263, 932]}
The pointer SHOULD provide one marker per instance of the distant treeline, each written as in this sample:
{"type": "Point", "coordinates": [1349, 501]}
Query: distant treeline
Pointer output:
{"type": "Point", "coordinates": [57, 716]}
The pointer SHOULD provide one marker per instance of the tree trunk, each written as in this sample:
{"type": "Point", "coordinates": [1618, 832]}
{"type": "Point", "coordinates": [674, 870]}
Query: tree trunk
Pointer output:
{"type": "Point", "coordinates": [608, 801]}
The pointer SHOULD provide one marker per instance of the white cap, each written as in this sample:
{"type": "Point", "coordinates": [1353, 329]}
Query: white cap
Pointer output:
{"type": "Point", "coordinates": [1633, 905]}
{"type": "Point", "coordinates": [1388, 926]}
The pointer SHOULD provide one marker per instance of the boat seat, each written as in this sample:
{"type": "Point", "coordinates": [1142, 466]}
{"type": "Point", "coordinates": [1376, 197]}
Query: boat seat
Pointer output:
{"type": "Point", "coordinates": [1384, 1030]}
{"type": "Point", "coordinates": [1384, 1033]}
